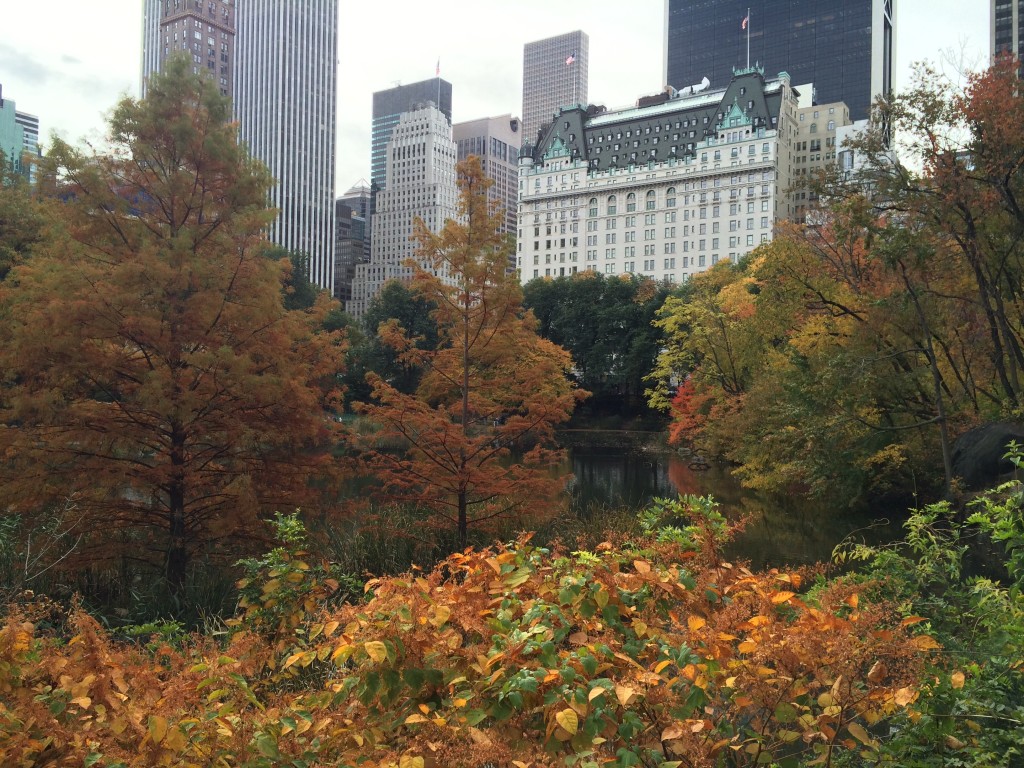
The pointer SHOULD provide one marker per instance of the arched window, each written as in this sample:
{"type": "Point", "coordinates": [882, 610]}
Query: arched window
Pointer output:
{"type": "Point", "coordinates": [592, 205]}
{"type": "Point", "coordinates": [814, 127]}
{"type": "Point", "coordinates": [612, 208]}
{"type": "Point", "coordinates": [631, 202]}
{"type": "Point", "coordinates": [670, 197]}
{"type": "Point", "coordinates": [650, 200]}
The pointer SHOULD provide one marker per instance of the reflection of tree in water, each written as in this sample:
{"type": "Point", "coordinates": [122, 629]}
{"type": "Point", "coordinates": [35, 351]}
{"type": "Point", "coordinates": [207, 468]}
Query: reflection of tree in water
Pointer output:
{"type": "Point", "coordinates": [778, 531]}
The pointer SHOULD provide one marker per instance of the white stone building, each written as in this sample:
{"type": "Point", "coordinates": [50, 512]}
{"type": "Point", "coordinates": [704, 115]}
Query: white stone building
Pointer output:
{"type": "Point", "coordinates": [666, 189]}
{"type": "Point", "coordinates": [421, 182]}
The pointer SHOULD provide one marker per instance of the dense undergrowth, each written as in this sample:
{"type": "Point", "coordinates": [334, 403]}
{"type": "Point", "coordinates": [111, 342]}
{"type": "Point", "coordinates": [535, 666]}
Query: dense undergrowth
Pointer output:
{"type": "Point", "coordinates": [651, 651]}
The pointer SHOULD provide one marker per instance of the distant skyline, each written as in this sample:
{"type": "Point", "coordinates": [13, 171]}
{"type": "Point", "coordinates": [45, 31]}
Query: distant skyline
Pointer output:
{"type": "Point", "coordinates": [72, 74]}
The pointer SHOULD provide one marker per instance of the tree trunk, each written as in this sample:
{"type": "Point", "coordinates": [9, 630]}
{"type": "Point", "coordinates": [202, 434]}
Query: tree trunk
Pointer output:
{"type": "Point", "coordinates": [177, 544]}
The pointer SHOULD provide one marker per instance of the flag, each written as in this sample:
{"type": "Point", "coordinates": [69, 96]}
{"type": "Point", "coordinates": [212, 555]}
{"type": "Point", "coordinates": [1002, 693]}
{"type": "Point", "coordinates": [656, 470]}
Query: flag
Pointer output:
{"type": "Point", "coordinates": [437, 69]}
{"type": "Point", "coordinates": [570, 58]}
{"type": "Point", "coordinates": [745, 20]}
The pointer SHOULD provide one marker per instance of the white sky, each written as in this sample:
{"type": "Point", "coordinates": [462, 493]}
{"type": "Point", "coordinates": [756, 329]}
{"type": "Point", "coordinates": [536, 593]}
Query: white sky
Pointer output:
{"type": "Point", "coordinates": [69, 61]}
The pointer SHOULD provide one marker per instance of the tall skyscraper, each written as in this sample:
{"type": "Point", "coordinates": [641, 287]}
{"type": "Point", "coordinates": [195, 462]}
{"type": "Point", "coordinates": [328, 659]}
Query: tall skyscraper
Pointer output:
{"type": "Point", "coordinates": [286, 84]}
{"type": "Point", "coordinates": [554, 75]}
{"type": "Point", "coordinates": [388, 107]}
{"type": "Point", "coordinates": [420, 172]}
{"type": "Point", "coordinates": [203, 28]}
{"type": "Point", "coordinates": [1006, 26]}
{"type": "Point", "coordinates": [844, 47]}
{"type": "Point", "coordinates": [496, 141]}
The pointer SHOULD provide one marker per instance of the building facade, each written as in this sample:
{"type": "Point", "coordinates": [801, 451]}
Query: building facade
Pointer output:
{"type": "Point", "coordinates": [285, 102]}
{"type": "Point", "coordinates": [496, 141]}
{"type": "Point", "coordinates": [666, 189]}
{"type": "Point", "coordinates": [388, 107]}
{"type": "Point", "coordinates": [816, 147]}
{"type": "Point", "coordinates": [205, 29]}
{"type": "Point", "coordinates": [845, 47]}
{"type": "Point", "coordinates": [352, 247]}
{"type": "Point", "coordinates": [554, 75]}
{"type": "Point", "coordinates": [19, 138]}
{"type": "Point", "coordinates": [421, 183]}
{"type": "Point", "coordinates": [1006, 26]}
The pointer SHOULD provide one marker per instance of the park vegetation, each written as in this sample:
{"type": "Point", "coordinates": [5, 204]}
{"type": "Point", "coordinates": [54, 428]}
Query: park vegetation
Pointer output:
{"type": "Point", "coordinates": [170, 394]}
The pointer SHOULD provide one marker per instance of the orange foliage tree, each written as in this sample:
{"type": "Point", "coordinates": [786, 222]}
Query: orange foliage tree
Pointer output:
{"type": "Point", "coordinates": [150, 372]}
{"type": "Point", "coordinates": [492, 384]}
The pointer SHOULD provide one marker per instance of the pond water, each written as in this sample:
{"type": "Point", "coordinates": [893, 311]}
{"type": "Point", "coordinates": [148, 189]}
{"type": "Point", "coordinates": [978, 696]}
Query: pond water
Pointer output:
{"type": "Point", "coordinates": [617, 469]}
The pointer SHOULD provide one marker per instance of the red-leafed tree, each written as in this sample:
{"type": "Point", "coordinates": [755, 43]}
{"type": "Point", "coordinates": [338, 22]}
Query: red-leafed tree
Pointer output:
{"type": "Point", "coordinates": [150, 371]}
{"type": "Point", "coordinates": [491, 386]}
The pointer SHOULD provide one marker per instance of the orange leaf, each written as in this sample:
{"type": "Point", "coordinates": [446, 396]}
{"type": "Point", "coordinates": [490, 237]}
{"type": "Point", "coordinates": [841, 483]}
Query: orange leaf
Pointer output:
{"type": "Point", "coordinates": [782, 597]}
{"type": "Point", "coordinates": [695, 623]}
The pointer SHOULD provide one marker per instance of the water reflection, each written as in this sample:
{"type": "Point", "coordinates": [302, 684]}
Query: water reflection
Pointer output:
{"type": "Point", "coordinates": [620, 469]}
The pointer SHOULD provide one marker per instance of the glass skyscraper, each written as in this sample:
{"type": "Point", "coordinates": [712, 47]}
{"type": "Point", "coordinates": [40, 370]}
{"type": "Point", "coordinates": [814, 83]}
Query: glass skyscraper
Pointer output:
{"type": "Point", "coordinates": [286, 87]}
{"type": "Point", "coordinates": [843, 47]}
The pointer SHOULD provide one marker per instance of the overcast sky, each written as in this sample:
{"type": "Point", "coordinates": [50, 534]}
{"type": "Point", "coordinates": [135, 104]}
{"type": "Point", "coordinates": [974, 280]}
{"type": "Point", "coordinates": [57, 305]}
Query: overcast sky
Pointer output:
{"type": "Point", "coordinates": [69, 61]}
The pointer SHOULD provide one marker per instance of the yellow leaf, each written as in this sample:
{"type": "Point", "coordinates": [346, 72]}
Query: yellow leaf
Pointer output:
{"type": "Point", "coordinates": [640, 628]}
{"type": "Point", "coordinates": [175, 739]}
{"type": "Point", "coordinates": [292, 659]}
{"type": "Point", "coordinates": [460, 703]}
{"type": "Point", "coordinates": [569, 721]}
{"type": "Point", "coordinates": [957, 680]}
{"type": "Point", "coordinates": [407, 761]}
{"type": "Point", "coordinates": [624, 694]}
{"type": "Point", "coordinates": [415, 718]}
{"type": "Point", "coordinates": [595, 692]}
{"type": "Point", "coordinates": [904, 696]}
{"type": "Point", "coordinates": [747, 646]}
{"type": "Point", "coordinates": [329, 628]}
{"type": "Point", "coordinates": [925, 643]}
{"type": "Point", "coordinates": [376, 650]}
{"type": "Point", "coordinates": [672, 732]}
{"type": "Point", "coordinates": [441, 615]}
{"type": "Point", "coordinates": [857, 731]}
{"type": "Point", "coordinates": [661, 666]}
{"type": "Point", "coordinates": [157, 728]}
{"type": "Point", "coordinates": [341, 653]}
{"type": "Point", "coordinates": [695, 623]}
{"type": "Point", "coordinates": [782, 597]}
{"type": "Point", "coordinates": [642, 566]}
{"type": "Point", "coordinates": [83, 701]}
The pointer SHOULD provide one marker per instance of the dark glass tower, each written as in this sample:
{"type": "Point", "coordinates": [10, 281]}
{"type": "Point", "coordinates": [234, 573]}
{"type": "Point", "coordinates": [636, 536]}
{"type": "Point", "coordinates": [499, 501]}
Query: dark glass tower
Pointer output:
{"type": "Point", "coordinates": [844, 47]}
{"type": "Point", "coordinates": [1007, 30]}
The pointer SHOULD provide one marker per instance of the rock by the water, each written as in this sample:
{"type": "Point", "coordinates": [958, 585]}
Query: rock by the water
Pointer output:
{"type": "Point", "coordinates": [978, 453]}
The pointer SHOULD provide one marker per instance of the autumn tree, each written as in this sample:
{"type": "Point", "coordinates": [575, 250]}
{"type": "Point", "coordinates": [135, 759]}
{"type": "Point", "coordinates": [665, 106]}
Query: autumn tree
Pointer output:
{"type": "Point", "coordinates": [491, 385]}
{"type": "Point", "coordinates": [150, 371]}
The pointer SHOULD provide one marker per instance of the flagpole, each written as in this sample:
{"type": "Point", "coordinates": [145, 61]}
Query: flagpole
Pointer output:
{"type": "Point", "coordinates": [748, 38]}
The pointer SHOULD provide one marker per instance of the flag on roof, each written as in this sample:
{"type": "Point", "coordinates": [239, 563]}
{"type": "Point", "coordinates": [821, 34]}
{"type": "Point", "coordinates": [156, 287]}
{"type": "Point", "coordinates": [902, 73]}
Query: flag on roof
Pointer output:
{"type": "Point", "coordinates": [570, 58]}
{"type": "Point", "coordinates": [745, 20]}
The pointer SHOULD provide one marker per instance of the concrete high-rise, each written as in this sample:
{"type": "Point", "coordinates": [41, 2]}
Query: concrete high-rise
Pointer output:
{"type": "Point", "coordinates": [421, 183]}
{"type": "Point", "coordinates": [1006, 26]}
{"type": "Point", "coordinates": [285, 96]}
{"type": "Point", "coordinates": [389, 105]}
{"type": "Point", "coordinates": [496, 141]}
{"type": "Point", "coordinates": [844, 47]}
{"type": "Point", "coordinates": [203, 28]}
{"type": "Point", "coordinates": [554, 75]}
